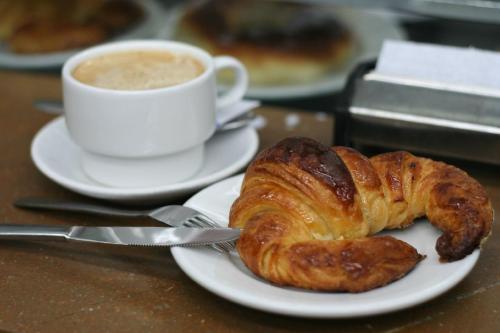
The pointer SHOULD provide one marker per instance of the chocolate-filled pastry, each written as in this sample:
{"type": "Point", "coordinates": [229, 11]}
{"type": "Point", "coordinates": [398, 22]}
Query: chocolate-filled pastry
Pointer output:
{"type": "Point", "coordinates": [45, 26]}
{"type": "Point", "coordinates": [46, 37]}
{"type": "Point", "coordinates": [279, 42]}
{"type": "Point", "coordinates": [306, 211]}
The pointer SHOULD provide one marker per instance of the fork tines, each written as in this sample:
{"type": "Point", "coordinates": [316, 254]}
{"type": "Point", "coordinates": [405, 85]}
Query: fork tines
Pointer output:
{"type": "Point", "coordinates": [202, 221]}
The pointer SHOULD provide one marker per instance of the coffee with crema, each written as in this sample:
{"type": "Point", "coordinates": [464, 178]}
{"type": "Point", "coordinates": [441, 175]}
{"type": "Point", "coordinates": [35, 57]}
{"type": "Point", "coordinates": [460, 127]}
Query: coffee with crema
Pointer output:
{"type": "Point", "coordinates": [138, 70]}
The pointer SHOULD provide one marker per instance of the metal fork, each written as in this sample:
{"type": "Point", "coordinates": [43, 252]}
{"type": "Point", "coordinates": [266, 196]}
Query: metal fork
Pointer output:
{"type": "Point", "coordinates": [172, 215]}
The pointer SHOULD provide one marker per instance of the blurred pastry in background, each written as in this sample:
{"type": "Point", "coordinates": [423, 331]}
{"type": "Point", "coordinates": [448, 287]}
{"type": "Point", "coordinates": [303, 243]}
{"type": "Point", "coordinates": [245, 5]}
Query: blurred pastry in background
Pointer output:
{"type": "Point", "coordinates": [279, 42]}
{"type": "Point", "coordinates": [43, 26]}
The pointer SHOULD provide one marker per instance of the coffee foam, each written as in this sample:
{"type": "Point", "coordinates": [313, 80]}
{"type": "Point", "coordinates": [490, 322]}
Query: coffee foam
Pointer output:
{"type": "Point", "coordinates": [138, 70]}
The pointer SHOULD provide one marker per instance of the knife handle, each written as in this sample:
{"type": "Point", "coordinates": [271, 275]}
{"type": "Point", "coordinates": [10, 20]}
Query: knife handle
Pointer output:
{"type": "Point", "coordinates": [33, 232]}
{"type": "Point", "coordinates": [77, 207]}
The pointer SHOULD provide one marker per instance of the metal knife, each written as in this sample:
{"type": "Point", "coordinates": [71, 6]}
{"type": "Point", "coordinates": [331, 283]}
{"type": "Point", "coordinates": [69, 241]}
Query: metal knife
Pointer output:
{"type": "Point", "coordinates": [135, 236]}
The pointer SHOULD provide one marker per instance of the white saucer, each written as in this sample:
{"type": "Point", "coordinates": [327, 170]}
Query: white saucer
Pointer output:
{"type": "Point", "coordinates": [57, 157]}
{"type": "Point", "coordinates": [226, 275]}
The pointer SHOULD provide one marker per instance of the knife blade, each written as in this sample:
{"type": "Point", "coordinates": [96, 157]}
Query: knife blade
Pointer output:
{"type": "Point", "coordinates": [134, 236]}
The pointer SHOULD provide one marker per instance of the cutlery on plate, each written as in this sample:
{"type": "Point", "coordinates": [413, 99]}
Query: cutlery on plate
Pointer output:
{"type": "Point", "coordinates": [134, 236]}
{"type": "Point", "coordinates": [55, 107]}
{"type": "Point", "coordinates": [172, 215]}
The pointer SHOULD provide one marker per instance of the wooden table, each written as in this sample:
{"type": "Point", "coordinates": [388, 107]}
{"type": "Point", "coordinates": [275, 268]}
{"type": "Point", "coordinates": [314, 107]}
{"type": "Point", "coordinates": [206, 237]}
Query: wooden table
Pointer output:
{"type": "Point", "coordinates": [59, 287]}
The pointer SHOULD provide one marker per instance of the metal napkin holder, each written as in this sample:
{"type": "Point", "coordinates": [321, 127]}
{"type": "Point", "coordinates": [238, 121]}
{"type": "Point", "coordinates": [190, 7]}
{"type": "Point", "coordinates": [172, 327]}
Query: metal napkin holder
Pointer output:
{"type": "Point", "coordinates": [428, 121]}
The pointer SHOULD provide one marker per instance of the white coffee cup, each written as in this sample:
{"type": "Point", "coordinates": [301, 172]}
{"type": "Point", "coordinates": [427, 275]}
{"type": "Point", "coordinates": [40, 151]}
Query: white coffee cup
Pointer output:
{"type": "Point", "coordinates": [140, 138]}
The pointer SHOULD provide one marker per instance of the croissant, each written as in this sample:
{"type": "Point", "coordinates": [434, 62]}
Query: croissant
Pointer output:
{"type": "Point", "coordinates": [306, 209]}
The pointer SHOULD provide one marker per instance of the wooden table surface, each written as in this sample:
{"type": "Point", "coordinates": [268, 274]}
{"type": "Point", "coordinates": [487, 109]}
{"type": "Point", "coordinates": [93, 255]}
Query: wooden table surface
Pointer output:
{"type": "Point", "coordinates": [60, 287]}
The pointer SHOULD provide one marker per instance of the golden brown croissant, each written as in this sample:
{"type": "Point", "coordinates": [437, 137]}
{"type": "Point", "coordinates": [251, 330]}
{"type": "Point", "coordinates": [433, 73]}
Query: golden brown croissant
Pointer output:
{"type": "Point", "coordinates": [306, 209]}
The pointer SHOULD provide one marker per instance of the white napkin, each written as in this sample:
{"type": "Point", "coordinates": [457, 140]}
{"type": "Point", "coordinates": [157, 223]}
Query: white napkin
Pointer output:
{"type": "Point", "coordinates": [440, 67]}
{"type": "Point", "coordinates": [233, 111]}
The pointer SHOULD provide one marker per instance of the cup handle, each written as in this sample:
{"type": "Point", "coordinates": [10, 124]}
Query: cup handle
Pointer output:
{"type": "Point", "coordinates": [239, 88]}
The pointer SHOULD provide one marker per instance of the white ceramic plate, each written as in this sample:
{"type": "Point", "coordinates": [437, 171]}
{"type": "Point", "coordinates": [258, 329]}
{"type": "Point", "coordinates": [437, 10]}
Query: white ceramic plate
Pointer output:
{"type": "Point", "coordinates": [226, 276]}
{"type": "Point", "coordinates": [370, 30]}
{"type": "Point", "coordinates": [152, 23]}
{"type": "Point", "coordinates": [58, 157]}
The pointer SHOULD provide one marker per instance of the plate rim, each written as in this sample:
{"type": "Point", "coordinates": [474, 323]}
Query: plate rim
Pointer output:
{"type": "Point", "coordinates": [384, 306]}
{"type": "Point", "coordinates": [102, 191]}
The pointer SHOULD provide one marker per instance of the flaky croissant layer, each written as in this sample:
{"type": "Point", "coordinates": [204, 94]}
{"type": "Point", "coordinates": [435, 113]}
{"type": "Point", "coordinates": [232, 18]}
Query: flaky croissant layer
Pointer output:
{"type": "Point", "coordinates": [306, 210]}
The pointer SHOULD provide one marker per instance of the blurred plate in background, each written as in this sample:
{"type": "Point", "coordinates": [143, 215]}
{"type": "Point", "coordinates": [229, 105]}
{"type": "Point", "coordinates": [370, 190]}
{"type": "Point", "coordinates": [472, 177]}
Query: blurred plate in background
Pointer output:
{"type": "Point", "coordinates": [368, 30]}
{"type": "Point", "coordinates": [151, 23]}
